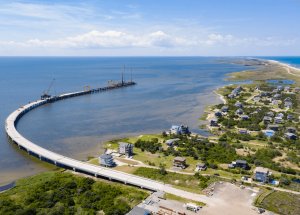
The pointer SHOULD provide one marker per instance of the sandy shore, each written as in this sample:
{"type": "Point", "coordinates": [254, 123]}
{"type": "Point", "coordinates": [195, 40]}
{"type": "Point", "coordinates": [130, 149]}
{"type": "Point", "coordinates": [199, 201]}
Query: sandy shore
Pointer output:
{"type": "Point", "coordinates": [290, 69]}
{"type": "Point", "coordinates": [221, 97]}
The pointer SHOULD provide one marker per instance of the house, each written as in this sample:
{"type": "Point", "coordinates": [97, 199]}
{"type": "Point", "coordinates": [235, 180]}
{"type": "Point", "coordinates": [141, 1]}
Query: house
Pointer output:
{"type": "Point", "coordinates": [256, 98]}
{"type": "Point", "coordinates": [214, 122]}
{"type": "Point", "coordinates": [291, 130]}
{"type": "Point", "coordinates": [290, 117]}
{"type": "Point", "coordinates": [280, 115]}
{"type": "Point", "coordinates": [107, 160]}
{"type": "Point", "coordinates": [179, 162]}
{"type": "Point", "coordinates": [273, 127]}
{"type": "Point", "coordinates": [277, 96]}
{"type": "Point", "coordinates": [297, 89]}
{"type": "Point", "coordinates": [218, 113]}
{"type": "Point", "coordinates": [261, 174]}
{"type": "Point", "coordinates": [290, 136]}
{"type": "Point", "coordinates": [269, 133]}
{"type": "Point", "coordinates": [244, 117]}
{"type": "Point", "coordinates": [278, 120]}
{"type": "Point", "coordinates": [287, 89]}
{"type": "Point", "coordinates": [179, 129]}
{"type": "Point", "coordinates": [126, 149]}
{"type": "Point", "coordinates": [239, 111]}
{"type": "Point", "coordinates": [239, 164]}
{"type": "Point", "coordinates": [201, 167]}
{"type": "Point", "coordinates": [171, 142]}
{"type": "Point", "coordinates": [270, 114]}
{"type": "Point", "coordinates": [264, 94]}
{"type": "Point", "coordinates": [224, 109]}
{"type": "Point", "coordinates": [288, 99]}
{"type": "Point", "coordinates": [275, 102]}
{"type": "Point", "coordinates": [231, 96]}
{"type": "Point", "coordinates": [238, 104]}
{"type": "Point", "coordinates": [288, 104]}
{"type": "Point", "coordinates": [280, 88]}
{"type": "Point", "coordinates": [139, 211]}
{"type": "Point", "coordinates": [243, 131]}
{"type": "Point", "coordinates": [267, 119]}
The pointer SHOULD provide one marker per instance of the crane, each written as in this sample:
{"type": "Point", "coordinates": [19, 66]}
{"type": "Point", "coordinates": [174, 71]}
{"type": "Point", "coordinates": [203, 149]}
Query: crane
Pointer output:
{"type": "Point", "coordinates": [46, 94]}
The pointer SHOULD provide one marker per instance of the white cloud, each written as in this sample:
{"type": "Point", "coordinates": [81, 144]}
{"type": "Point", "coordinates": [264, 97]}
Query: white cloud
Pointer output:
{"type": "Point", "coordinates": [106, 39]}
{"type": "Point", "coordinates": [156, 40]}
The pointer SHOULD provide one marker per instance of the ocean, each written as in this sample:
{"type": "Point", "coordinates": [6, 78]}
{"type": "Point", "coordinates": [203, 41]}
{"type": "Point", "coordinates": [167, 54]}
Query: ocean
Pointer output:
{"type": "Point", "coordinates": [169, 90]}
{"type": "Point", "coordinates": [293, 61]}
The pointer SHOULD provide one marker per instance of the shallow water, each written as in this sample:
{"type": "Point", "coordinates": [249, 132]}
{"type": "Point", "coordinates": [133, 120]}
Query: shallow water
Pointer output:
{"type": "Point", "coordinates": [170, 91]}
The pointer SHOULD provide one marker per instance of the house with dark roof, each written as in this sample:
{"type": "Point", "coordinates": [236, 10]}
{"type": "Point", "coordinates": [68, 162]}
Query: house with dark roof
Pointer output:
{"type": "Point", "coordinates": [291, 130]}
{"type": "Point", "coordinates": [239, 164]}
{"type": "Point", "coordinates": [218, 113]}
{"type": "Point", "coordinates": [238, 104]}
{"type": "Point", "coordinates": [239, 111]}
{"type": "Point", "coordinates": [214, 123]}
{"type": "Point", "coordinates": [107, 160]}
{"type": "Point", "coordinates": [201, 167]}
{"type": "Point", "coordinates": [126, 149]}
{"type": "Point", "coordinates": [290, 136]}
{"type": "Point", "coordinates": [273, 127]}
{"type": "Point", "coordinates": [244, 117]}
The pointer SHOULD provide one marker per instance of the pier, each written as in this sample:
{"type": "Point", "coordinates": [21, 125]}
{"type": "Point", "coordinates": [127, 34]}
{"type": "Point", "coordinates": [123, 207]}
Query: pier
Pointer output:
{"type": "Point", "coordinates": [80, 166]}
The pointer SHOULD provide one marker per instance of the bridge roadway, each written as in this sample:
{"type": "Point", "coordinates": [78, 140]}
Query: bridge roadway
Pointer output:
{"type": "Point", "coordinates": [80, 166]}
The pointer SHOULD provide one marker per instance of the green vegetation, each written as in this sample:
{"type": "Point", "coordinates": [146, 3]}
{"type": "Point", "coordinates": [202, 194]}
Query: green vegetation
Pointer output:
{"type": "Point", "coordinates": [180, 199]}
{"type": "Point", "coordinates": [279, 202]}
{"type": "Point", "coordinates": [149, 145]}
{"type": "Point", "coordinates": [64, 193]}
{"type": "Point", "coordinates": [193, 183]}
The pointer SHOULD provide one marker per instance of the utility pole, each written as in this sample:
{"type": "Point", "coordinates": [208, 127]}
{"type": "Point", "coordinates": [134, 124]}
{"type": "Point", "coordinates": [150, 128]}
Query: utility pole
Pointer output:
{"type": "Point", "coordinates": [123, 74]}
{"type": "Point", "coordinates": [131, 74]}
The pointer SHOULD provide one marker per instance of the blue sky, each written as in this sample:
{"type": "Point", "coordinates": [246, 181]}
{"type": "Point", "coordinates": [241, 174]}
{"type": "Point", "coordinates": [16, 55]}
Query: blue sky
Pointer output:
{"type": "Point", "coordinates": [148, 27]}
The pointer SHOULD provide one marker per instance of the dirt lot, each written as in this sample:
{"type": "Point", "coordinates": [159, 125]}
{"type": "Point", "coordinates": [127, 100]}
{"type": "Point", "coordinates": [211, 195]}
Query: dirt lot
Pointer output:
{"type": "Point", "coordinates": [228, 199]}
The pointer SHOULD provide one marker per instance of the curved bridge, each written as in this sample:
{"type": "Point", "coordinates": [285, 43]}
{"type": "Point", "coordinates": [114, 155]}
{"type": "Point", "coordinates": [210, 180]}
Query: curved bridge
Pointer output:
{"type": "Point", "coordinates": [80, 166]}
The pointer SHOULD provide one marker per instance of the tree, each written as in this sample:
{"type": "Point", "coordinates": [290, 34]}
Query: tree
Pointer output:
{"type": "Point", "coordinates": [162, 169]}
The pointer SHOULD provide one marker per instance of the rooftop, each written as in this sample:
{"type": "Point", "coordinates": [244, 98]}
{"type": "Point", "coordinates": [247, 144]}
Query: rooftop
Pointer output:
{"type": "Point", "coordinates": [261, 169]}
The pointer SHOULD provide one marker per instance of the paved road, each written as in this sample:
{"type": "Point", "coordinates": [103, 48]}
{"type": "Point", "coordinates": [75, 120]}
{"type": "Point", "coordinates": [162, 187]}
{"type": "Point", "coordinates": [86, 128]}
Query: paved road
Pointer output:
{"type": "Point", "coordinates": [83, 167]}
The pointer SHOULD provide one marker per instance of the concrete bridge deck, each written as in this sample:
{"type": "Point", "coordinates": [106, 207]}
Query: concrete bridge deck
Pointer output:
{"type": "Point", "coordinates": [80, 166]}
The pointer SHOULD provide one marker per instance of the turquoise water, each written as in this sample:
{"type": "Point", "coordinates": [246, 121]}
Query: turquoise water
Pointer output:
{"type": "Point", "coordinates": [293, 61]}
{"type": "Point", "coordinates": [170, 90]}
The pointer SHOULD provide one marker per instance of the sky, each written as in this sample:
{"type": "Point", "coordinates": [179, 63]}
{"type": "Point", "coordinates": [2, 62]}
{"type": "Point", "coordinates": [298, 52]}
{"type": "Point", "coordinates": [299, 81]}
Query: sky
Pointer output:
{"type": "Point", "coordinates": [150, 28]}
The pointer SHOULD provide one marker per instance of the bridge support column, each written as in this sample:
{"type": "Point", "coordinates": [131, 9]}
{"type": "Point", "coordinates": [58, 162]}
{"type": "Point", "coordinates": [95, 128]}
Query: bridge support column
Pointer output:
{"type": "Point", "coordinates": [74, 169]}
{"type": "Point", "coordinates": [40, 157]}
{"type": "Point", "coordinates": [55, 163]}
{"type": "Point", "coordinates": [96, 175]}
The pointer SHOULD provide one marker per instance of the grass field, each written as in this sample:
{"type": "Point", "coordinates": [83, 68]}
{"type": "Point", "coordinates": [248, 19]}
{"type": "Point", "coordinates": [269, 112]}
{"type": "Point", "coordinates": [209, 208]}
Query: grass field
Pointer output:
{"type": "Point", "coordinates": [279, 202]}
